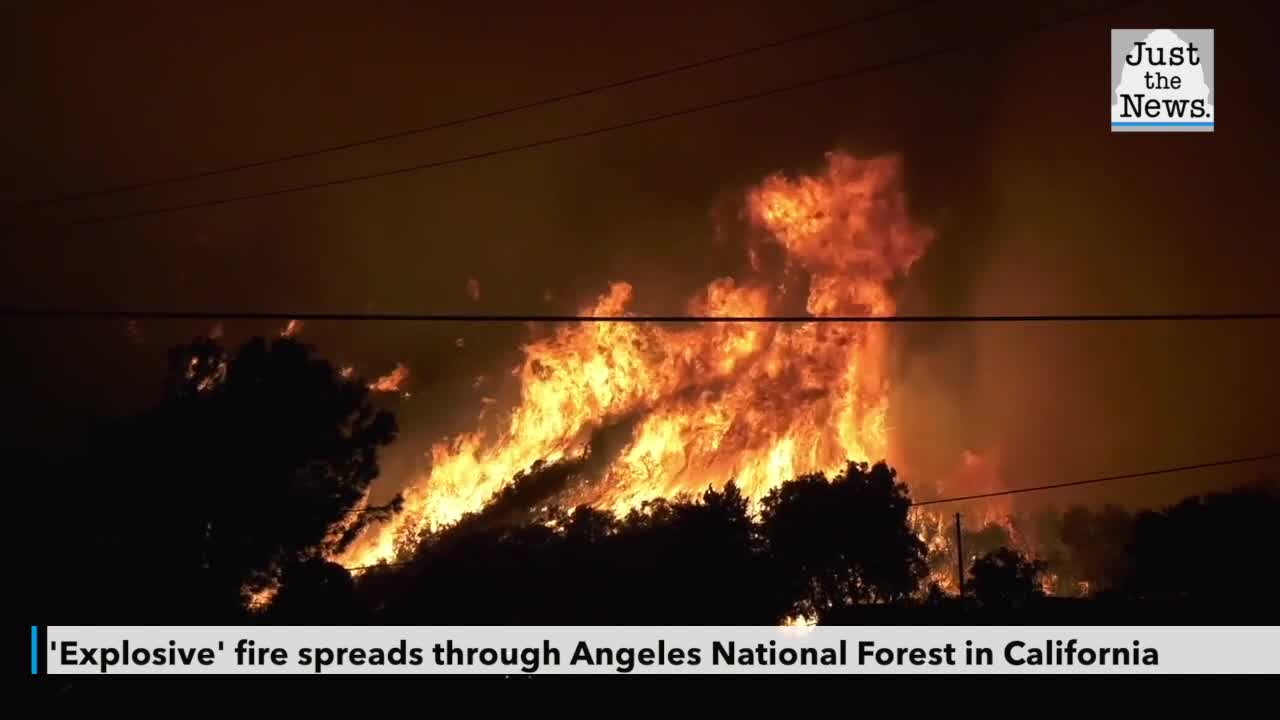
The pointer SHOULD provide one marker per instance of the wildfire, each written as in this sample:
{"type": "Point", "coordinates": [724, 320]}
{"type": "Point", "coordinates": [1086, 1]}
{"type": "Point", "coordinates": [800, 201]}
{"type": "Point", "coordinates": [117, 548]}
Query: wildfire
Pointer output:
{"type": "Point", "coordinates": [755, 402]}
{"type": "Point", "coordinates": [393, 381]}
{"type": "Point", "coordinates": [799, 621]}
{"type": "Point", "coordinates": [206, 378]}
{"type": "Point", "coordinates": [291, 329]}
{"type": "Point", "coordinates": [261, 600]}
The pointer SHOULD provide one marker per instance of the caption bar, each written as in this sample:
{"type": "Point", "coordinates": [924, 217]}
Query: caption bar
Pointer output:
{"type": "Point", "coordinates": [141, 650]}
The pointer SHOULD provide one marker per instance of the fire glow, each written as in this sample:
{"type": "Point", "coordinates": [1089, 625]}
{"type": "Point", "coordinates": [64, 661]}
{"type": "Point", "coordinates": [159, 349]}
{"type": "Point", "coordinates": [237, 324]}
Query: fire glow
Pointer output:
{"type": "Point", "coordinates": [758, 403]}
{"type": "Point", "coordinates": [391, 382]}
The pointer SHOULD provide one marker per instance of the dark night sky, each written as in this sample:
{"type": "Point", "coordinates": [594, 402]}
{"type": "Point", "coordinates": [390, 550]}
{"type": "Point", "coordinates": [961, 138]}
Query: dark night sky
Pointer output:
{"type": "Point", "coordinates": [1038, 206]}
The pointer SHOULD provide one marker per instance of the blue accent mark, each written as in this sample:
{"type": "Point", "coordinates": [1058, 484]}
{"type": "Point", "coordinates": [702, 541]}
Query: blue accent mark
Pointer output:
{"type": "Point", "coordinates": [35, 650]}
{"type": "Point", "coordinates": [1162, 124]}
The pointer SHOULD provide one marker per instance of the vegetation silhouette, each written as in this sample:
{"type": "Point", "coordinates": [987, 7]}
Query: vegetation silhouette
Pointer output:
{"type": "Point", "coordinates": [682, 561]}
{"type": "Point", "coordinates": [315, 591]}
{"type": "Point", "coordinates": [254, 468]}
{"type": "Point", "coordinates": [1095, 544]}
{"type": "Point", "coordinates": [1213, 550]}
{"type": "Point", "coordinates": [844, 540]}
{"type": "Point", "coordinates": [246, 466]}
{"type": "Point", "coordinates": [1003, 578]}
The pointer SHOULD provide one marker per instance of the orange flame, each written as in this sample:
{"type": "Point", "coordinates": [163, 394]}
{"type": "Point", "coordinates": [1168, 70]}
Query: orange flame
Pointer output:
{"type": "Point", "coordinates": [258, 601]}
{"type": "Point", "coordinates": [393, 381]}
{"type": "Point", "coordinates": [291, 329]}
{"type": "Point", "coordinates": [758, 403]}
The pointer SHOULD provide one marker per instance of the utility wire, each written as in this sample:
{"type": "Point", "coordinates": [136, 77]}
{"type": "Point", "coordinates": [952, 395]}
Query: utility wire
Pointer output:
{"type": "Point", "coordinates": [1036, 488]}
{"type": "Point", "coordinates": [1109, 478]}
{"type": "Point", "coordinates": [510, 109]}
{"type": "Point", "coordinates": [555, 139]}
{"type": "Point", "coordinates": [68, 312]}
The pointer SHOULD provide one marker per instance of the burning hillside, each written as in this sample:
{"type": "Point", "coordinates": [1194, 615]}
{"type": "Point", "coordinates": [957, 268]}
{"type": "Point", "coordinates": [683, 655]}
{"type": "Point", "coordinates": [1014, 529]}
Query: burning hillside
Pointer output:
{"type": "Point", "coordinates": [705, 402]}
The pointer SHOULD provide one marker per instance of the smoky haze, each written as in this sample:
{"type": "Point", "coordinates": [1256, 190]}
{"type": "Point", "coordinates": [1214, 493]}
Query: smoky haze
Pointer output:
{"type": "Point", "coordinates": [1036, 207]}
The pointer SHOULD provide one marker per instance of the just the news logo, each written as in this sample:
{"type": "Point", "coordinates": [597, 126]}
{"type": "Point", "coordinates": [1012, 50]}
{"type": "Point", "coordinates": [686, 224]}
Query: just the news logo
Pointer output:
{"type": "Point", "coordinates": [1162, 81]}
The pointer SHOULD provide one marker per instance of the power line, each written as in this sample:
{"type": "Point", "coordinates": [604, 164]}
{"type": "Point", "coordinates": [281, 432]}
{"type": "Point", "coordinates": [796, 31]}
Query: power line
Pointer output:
{"type": "Point", "coordinates": [490, 114]}
{"type": "Point", "coordinates": [812, 82]}
{"type": "Point", "coordinates": [1109, 478]}
{"type": "Point", "coordinates": [1036, 488]}
{"type": "Point", "coordinates": [65, 312]}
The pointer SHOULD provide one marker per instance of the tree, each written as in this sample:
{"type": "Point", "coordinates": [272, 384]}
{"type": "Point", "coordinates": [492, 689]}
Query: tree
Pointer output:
{"type": "Point", "coordinates": [246, 466]}
{"type": "Point", "coordinates": [690, 560]}
{"type": "Point", "coordinates": [695, 561]}
{"type": "Point", "coordinates": [991, 536]}
{"type": "Point", "coordinates": [845, 540]}
{"type": "Point", "coordinates": [1003, 578]}
{"type": "Point", "coordinates": [1214, 549]}
{"type": "Point", "coordinates": [1095, 544]}
{"type": "Point", "coordinates": [315, 592]}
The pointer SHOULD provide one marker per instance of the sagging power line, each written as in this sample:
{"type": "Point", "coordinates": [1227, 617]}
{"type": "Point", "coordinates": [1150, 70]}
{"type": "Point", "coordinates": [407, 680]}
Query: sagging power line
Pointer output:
{"type": "Point", "coordinates": [490, 114]}
{"type": "Point", "coordinates": [992, 38]}
{"type": "Point", "coordinates": [1109, 478]}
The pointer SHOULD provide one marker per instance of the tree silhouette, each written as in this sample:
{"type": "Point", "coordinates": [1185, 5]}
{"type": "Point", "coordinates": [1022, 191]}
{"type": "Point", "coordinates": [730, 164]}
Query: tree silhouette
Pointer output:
{"type": "Point", "coordinates": [1095, 544]}
{"type": "Point", "coordinates": [1003, 578]}
{"type": "Point", "coordinates": [681, 561]}
{"type": "Point", "coordinates": [245, 467]}
{"type": "Point", "coordinates": [254, 466]}
{"type": "Point", "coordinates": [1213, 549]}
{"type": "Point", "coordinates": [697, 561]}
{"type": "Point", "coordinates": [844, 540]}
{"type": "Point", "coordinates": [315, 591]}
{"type": "Point", "coordinates": [989, 537]}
